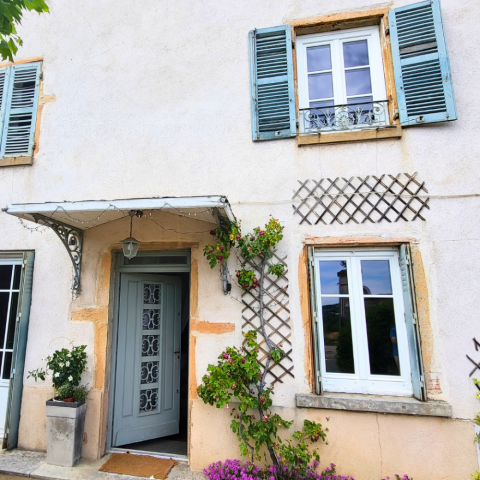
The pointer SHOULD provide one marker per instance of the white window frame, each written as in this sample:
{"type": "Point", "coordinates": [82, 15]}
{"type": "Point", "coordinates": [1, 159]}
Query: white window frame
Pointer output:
{"type": "Point", "coordinates": [362, 381]}
{"type": "Point", "coordinates": [10, 291]}
{"type": "Point", "coordinates": [335, 40]}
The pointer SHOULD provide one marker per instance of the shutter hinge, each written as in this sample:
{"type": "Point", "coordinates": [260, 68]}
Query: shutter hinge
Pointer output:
{"type": "Point", "coordinates": [414, 317]}
{"type": "Point", "coordinates": [387, 30]}
{"type": "Point", "coordinates": [422, 380]}
{"type": "Point", "coordinates": [293, 44]}
{"type": "Point", "coordinates": [19, 316]}
{"type": "Point", "coordinates": [407, 257]}
{"type": "Point", "coordinates": [396, 114]}
{"type": "Point", "coordinates": [311, 261]}
{"type": "Point", "coordinates": [40, 76]}
{"type": "Point", "coordinates": [297, 125]}
{"type": "Point", "coordinates": [446, 77]}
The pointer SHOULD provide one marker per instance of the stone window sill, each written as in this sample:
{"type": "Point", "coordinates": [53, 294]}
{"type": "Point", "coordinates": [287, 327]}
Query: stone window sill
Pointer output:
{"type": "Point", "coordinates": [12, 161]}
{"type": "Point", "coordinates": [374, 403]}
{"type": "Point", "coordinates": [356, 136]}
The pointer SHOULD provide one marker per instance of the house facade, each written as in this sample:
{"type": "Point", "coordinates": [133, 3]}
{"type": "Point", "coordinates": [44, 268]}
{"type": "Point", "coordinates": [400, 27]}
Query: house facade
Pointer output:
{"type": "Point", "coordinates": [348, 121]}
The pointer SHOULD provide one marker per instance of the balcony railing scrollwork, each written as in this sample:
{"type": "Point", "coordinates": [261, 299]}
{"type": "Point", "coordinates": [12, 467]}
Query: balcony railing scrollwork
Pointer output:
{"type": "Point", "coordinates": [344, 117]}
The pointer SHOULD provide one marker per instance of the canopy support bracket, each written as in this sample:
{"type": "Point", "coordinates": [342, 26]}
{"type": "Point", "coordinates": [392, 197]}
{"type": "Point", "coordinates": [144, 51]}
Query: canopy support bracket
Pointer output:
{"type": "Point", "coordinates": [72, 239]}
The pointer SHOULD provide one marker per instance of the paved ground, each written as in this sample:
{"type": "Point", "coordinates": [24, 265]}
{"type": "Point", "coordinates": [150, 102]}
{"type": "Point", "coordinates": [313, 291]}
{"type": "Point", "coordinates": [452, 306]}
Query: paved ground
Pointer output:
{"type": "Point", "coordinates": [33, 465]}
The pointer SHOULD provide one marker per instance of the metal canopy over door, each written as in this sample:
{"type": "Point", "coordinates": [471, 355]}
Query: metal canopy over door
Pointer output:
{"type": "Point", "coordinates": [147, 378]}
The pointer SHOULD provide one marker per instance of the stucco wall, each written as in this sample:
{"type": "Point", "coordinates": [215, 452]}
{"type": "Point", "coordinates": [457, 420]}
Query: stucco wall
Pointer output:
{"type": "Point", "coordinates": [154, 101]}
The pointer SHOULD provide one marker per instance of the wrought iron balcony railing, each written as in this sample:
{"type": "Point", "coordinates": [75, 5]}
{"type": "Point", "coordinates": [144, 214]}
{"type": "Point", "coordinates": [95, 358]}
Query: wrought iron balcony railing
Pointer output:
{"type": "Point", "coordinates": [344, 117]}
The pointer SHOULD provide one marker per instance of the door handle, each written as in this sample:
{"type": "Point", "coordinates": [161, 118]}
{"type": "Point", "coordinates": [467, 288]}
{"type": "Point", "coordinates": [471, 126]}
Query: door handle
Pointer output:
{"type": "Point", "coordinates": [176, 352]}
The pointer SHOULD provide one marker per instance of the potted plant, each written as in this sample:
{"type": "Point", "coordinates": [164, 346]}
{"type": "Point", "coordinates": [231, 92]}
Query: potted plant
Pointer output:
{"type": "Point", "coordinates": [66, 410]}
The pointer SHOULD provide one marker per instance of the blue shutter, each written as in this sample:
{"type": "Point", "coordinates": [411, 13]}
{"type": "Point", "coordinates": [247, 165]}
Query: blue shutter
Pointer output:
{"type": "Point", "coordinates": [4, 83]}
{"type": "Point", "coordinates": [271, 81]}
{"type": "Point", "coordinates": [413, 336]}
{"type": "Point", "coordinates": [314, 316]}
{"type": "Point", "coordinates": [19, 348]}
{"type": "Point", "coordinates": [21, 110]}
{"type": "Point", "coordinates": [420, 59]}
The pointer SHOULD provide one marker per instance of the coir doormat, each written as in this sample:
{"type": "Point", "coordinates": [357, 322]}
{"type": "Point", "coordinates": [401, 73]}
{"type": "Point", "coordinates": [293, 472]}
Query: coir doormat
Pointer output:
{"type": "Point", "coordinates": [138, 465]}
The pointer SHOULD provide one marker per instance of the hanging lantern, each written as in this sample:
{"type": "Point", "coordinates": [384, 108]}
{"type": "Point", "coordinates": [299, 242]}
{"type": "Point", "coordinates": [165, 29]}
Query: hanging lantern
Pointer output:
{"type": "Point", "coordinates": [130, 245]}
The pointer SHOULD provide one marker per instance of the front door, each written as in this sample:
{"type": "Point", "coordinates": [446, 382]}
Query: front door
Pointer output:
{"type": "Point", "coordinates": [147, 378]}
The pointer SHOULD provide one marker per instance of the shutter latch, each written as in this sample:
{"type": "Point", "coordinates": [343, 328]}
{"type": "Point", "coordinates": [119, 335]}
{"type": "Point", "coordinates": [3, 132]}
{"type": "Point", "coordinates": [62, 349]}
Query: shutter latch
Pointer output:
{"type": "Point", "coordinates": [293, 44]}
{"type": "Point", "coordinates": [387, 30]}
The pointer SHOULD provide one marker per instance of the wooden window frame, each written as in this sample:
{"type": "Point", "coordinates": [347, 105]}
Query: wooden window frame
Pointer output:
{"type": "Point", "coordinates": [343, 21]}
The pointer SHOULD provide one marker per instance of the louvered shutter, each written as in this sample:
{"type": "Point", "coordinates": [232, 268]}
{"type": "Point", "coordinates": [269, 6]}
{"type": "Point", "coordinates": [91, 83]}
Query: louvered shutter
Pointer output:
{"type": "Point", "coordinates": [21, 110]}
{"type": "Point", "coordinates": [4, 83]}
{"type": "Point", "coordinates": [422, 70]}
{"type": "Point", "coordinates": [411, 320]}
{"type": "Point", "coordinates": [272, 87]}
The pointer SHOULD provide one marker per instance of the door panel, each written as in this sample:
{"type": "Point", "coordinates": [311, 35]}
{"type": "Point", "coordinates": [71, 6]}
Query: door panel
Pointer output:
{"type": "Point", "coordinates": [147, 385]}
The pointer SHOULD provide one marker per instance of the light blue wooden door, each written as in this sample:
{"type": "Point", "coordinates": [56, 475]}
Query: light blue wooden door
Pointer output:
{"type": "Point", "coordinates": [147, 379]}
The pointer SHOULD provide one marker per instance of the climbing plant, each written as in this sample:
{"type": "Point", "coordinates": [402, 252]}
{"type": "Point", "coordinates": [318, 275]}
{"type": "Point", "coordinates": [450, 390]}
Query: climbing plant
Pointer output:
{"type": "Point", "coordinates": [238, 376]}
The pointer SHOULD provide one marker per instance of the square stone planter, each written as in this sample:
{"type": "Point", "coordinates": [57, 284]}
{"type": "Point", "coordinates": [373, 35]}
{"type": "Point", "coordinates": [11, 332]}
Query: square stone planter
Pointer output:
{"type": "Point", "coordinates": [65, 425]}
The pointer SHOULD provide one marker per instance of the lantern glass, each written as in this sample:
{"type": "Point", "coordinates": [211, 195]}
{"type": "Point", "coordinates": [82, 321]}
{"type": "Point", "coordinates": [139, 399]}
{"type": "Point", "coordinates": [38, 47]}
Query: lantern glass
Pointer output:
{"type": "Point", "coordinates": [130, 247]}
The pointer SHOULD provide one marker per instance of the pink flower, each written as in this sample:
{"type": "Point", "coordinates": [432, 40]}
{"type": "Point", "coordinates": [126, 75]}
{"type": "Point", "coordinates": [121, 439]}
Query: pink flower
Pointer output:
{"type": "Point", "coordinates": [226, 406]}
{"type": "Point", "coordinates": [261, 232]}
{"type": "Point", "coordinates": [226, 355]}
{"type": "Point", "coordinates": [243, 360]}
{"type": "Point", "coordinates": [212, 232]}
{"type": "Point", "coordinates": [260, 374]}
{"type": "Point", "coordinates": [261, 400]}
{"type": "Point", "coordinates": [234, 386]}
{"type": "Point", "coordinates": [238, 237]}
{"type": "Point", "coordinates": [222, 248]}
{"type": "Point", "coordinates": [264, 419]}
{"type": "Point", "coordinates": [230, 361]}
{"type": "Point", "coordinates": [220, 258]}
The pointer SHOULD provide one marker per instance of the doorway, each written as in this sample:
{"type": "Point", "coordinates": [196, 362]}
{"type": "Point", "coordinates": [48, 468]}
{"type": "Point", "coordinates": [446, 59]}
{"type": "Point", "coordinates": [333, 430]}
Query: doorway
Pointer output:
{"type": "Point", "coordinates": [149, 378]}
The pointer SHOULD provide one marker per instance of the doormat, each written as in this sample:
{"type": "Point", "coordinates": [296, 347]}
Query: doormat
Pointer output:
{"type": "Point", "coordinates": [138, 465]}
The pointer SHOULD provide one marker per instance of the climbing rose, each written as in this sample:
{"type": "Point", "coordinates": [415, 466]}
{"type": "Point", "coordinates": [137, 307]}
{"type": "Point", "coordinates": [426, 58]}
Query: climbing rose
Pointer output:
{"type": "Point", "coordinates": [220, 258]}
{"type": "Point", "coordinates": [212, 232]}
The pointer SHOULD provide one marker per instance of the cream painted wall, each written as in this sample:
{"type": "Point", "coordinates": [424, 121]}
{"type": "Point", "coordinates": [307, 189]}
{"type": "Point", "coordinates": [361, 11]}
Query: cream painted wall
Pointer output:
{"type": "Point", "coordinates": [154, 101]}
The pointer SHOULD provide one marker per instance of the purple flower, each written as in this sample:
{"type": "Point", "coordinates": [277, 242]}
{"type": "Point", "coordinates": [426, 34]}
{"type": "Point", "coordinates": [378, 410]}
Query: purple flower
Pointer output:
{"type": "Point", "coordinates": [220, 258]}
{"type": "Point", "coordinates": [226, 355]}
{"type": "Point", "coordinates": [234, 386]}
{"type": "Point", "coordinates": [243, 360]}
{"type": "Point", "coordinates": [212, 232]}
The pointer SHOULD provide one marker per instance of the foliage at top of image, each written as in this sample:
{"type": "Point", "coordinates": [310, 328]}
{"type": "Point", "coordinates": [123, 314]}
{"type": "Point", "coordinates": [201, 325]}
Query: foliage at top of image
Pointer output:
{"type": "Point", "coordinates": [11, 14]}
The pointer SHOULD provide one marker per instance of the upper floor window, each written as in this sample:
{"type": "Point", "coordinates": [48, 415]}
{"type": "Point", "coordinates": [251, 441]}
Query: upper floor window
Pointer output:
{"type": "Point", "coordinates": [341, 81]}
{"type": "Point", "coordinates": [341, 75]}
{"type": "Point", "coordinates": [19, 91]}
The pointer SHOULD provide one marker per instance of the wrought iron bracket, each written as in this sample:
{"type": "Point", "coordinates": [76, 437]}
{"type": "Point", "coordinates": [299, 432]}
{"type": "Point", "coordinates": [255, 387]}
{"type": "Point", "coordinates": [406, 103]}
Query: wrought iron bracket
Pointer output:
{"type": "Point", "coordinates": [72, 239]}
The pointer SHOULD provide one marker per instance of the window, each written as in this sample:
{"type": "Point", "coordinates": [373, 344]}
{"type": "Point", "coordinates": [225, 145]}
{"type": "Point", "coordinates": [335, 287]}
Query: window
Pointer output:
{"type": "Point", "coordinates": [362, 337]}
{"type": "Point", "coordinates": [340, 80]}
{"type": "Point", "coordinates": [19, 88]}
{"type": "Point", "coordinates": [10, 271]}
{"type": "Point", "coordinates": [341, 84]}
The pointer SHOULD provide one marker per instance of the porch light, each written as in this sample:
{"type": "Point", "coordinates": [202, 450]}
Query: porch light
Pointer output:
{"type": "Point", "coordinates": [130, 245]}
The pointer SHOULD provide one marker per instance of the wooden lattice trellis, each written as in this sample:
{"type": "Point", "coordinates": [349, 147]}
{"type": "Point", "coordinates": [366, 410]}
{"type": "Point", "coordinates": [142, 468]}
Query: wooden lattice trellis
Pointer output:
{"type": "Point", "coordinates": [276, 316]}
{"type": "Point", "coordinates": [360, 199]}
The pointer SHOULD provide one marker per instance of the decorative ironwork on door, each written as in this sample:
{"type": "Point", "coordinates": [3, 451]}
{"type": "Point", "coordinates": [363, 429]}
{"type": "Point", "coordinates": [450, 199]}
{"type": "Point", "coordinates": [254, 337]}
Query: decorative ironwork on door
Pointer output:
{"type": "Point", "coordinates": [151, 324]}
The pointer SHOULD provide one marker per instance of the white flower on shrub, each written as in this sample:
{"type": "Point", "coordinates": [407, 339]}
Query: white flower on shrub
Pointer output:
{"type": "Point", "coordinates": [69, 355]}
{"type": "Point", "coordinates": [67, 364]}
{"type": "Point", "coordinates": [57, 375]}
{"type": "Point", "coordinates": [61, 365]}
{"type": "Point", "coordinates": [70, 378]}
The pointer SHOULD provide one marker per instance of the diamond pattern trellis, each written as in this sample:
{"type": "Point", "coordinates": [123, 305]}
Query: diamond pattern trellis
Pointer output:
{"type": "Point", "coordinates": [276, 315]}
{"type": "Point", "coordinates": [361, 199]}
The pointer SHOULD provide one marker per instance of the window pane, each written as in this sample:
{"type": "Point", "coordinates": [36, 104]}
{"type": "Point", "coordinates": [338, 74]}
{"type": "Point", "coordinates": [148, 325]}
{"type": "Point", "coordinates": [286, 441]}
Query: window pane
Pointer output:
{"type": "Point", "coordinates": [355, 54]}
{"type": "Point", "coordinates": [337, 334]}
{"type": "Point", "coordinates": [382, 336]}
{"type": "Point", "coordinates": [322, 104]}
{"type": "Point", "coordinates": [318, 58]}
{"type": "Point", "coordinates": [333, 277]}
{"type": "Point", "coordinates": [12, 321]}
{"type": "Point", "coordinates": [4, 296]}
{"type": "Point", "coordinates": [358, 82]}
{"type": "Point", "coordinates": [376, 277]}
{"type": "Point", "coordinates": [5, 276]}
{"type": "Point", "coordinates": [7, 366]}
{"type": "Point", "coordinates": [16, 277]}
{"type": "Point", "coordinates": [320, 86]}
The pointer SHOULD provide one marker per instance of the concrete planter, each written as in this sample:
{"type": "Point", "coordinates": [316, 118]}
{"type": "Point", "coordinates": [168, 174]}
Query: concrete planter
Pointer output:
{"type": "Point", "coordinates": [65, 424]}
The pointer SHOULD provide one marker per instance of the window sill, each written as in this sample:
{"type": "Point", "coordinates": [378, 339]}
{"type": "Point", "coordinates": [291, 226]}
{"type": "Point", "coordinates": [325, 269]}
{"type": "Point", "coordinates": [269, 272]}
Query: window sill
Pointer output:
{"type": "Point", "coordinates": [375, 404]}
{"type": "Point", "coordinates": [13, 161]}
{"type": "Point", "coordinates": [351, 136]}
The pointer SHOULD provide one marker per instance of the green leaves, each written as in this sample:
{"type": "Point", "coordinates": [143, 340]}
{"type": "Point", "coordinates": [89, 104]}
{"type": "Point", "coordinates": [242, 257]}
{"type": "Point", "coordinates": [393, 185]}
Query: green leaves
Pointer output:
{"type": "Point", "coordinates": [262, 241]}
{"type": "Point", "coordinates": [247, 279]}
{"type": "Point", "coordinates": [11, 13]}
{"type": "Point", "coordinates": [277, 269]}
{"type": "Point", "coordinates": [226, 236]}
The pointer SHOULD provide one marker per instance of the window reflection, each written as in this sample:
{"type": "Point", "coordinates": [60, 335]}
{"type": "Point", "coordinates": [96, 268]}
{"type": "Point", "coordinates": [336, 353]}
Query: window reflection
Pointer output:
{"type": "Point", "coordinates": [333, 277]}
{"type": "Point", "coordinates": [376, 277]}
{"type": "Point", "coordinates": [337, 334]}
{"type": "Point", "coordinates": [382, 336]}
